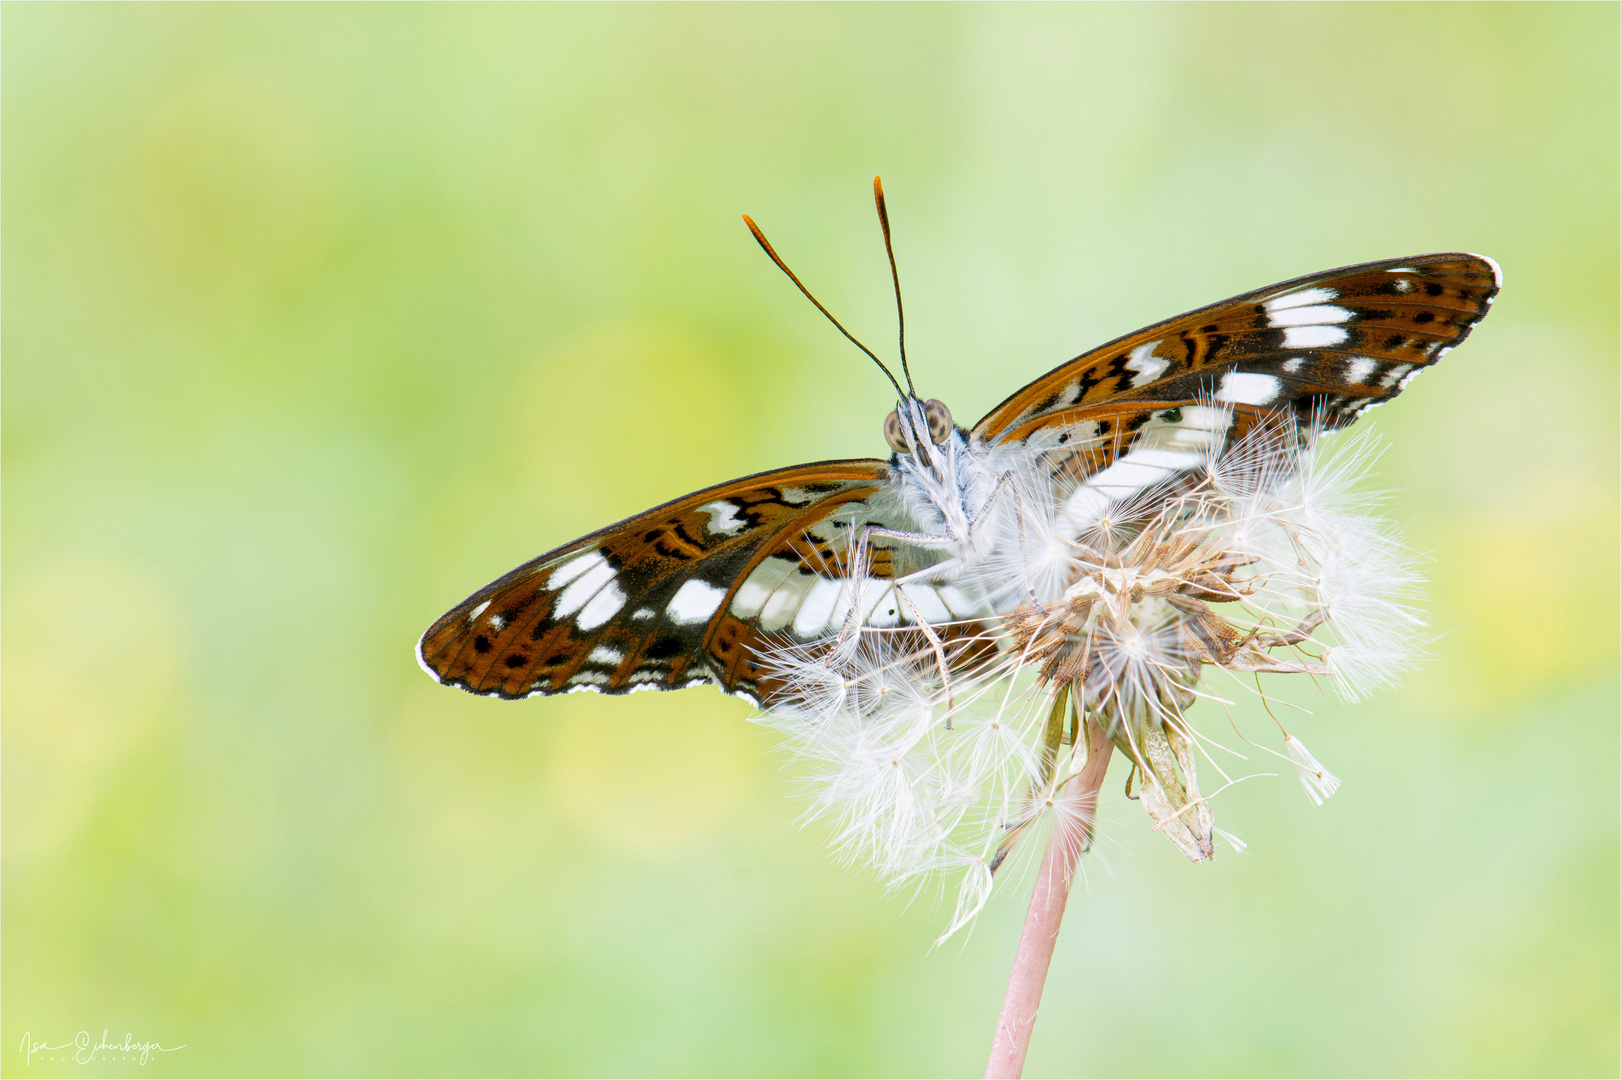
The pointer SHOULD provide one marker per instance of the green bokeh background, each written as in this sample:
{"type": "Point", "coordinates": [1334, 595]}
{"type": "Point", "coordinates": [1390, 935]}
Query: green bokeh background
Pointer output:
{"type": "Point", "coordinates": [317, 318]}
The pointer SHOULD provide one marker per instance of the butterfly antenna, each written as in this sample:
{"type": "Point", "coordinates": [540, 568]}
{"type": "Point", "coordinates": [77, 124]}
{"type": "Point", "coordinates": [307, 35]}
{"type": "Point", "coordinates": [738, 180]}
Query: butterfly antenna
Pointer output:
{"type": "Point", "coordinates": [769, 250]}
{"type": "Point", "coordinates": [895, 275]}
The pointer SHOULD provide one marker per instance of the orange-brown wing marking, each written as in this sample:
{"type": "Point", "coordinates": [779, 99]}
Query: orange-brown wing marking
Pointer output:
{"type": "Point", "coordinates": [647, 603]}
{"type": "Point", "coordinates": [1332, 344]}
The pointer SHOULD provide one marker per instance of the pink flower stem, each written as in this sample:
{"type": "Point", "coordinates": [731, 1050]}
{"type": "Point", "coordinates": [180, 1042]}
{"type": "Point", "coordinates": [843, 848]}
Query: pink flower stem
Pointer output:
{"type": "Point", "coordinates": [1069, 838]}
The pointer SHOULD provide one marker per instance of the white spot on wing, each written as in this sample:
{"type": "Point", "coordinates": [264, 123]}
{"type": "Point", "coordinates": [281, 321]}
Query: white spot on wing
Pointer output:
{"type": "Point", "coordinates": [497, 622]}
{"type": "Point", "coordinates": [784, 602]}
{"type": "Point", "coordinates": [1404, 285]}
{"type": "Point", "coordinates": [1167, 459]}
{"type": "Point", "coordinates": [1136, 472]}
{"type": "Point", "coordinates": [723, 517]}
{"type": "Point", "coordinates": [1324, 314]}
{"type": "Point", "coordinates": [584, 586]}
{"type": "Point", "coordinates": [874, 593]}
{"type": "Point", "coordinates": [1147, 366]}
{"type": "Point", "coordinates": [642, 613]}
{"type": "Point", "coordinates": [694, 602]}
{"type": "Point", "coordinates": [1292, 366]}
{"type": "Point", "coordinates": [1358, 368]}
{"type": "Point", "coordinates": [1247, 388]}
{"type": "Point", "coordinates": [476, 612]}
{"type": "Point", "coordinates": [1199, 423]}
{"type": "Point", "coordinates": [603, 606]}
{"type": "Point", "coordinates": [817, 610]}
{"type": "Point", "coordinates": [1314, 337]}
{"type": "Point", "coordinates": [602, 654]}
{"type": "Point", "coordinates": [960, 603]}
{"type": "Point", "coordinates": [1301, 298]}
{"type": "Point", "coordinates": [574, 568]}
{"type": "Point", "coordinates": [750, 598]}
{"type": "Point", "coordinates": [1158, 454]}
{"type": "Point", "coordinates": [927, 602]}
{"type": "Point", "coordinates": [886, 611]}
{"type": "Point", "coordinates": [1397, 375]}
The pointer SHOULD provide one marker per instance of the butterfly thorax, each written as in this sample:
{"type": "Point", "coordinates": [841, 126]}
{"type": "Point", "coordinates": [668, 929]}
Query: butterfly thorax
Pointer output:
{"type": "Point", "coordinates": [945, 478]}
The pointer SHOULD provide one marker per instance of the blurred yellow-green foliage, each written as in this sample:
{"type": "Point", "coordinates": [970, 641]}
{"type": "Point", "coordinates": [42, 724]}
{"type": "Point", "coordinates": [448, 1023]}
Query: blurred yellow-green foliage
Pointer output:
{"type": "Point", "coordinates": [318, 317]}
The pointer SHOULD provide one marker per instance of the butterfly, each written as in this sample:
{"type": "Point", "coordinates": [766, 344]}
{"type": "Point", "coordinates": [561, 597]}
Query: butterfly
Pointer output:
{"type": "Point", "coordinates": [700, 589]}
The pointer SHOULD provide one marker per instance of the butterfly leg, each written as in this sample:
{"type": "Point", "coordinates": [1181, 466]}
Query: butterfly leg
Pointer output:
{"type": "Point", "coordinates": [1006, 484]}
{"type": "Point", "coordinates": [936, 644]}
{"type": "Point", "coordinates": [857, 573]}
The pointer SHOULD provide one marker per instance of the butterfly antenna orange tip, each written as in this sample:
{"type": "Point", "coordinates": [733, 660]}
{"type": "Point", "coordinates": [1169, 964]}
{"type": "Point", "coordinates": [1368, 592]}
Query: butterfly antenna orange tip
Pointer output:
{"type": "Point", "coordinates": [769, 250]}
{"type": "Point", "coordinates": [889, 248]}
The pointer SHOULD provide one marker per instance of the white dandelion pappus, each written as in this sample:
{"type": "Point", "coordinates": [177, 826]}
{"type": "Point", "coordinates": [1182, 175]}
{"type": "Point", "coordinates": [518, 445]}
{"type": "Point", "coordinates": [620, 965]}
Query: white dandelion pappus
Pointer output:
{"type": "Point", "coordinates": [1243, 565]}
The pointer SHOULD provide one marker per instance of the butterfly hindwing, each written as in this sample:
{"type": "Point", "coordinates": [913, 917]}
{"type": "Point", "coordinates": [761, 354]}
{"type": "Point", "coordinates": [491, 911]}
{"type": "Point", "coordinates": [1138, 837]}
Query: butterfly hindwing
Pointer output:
{"type": "Point", "coordinates": [685, 593]}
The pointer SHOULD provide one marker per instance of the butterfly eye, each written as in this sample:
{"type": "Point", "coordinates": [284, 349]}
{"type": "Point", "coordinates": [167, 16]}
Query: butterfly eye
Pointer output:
{"type": "Point", "coordinates": [939, 418]}
{"type": "Point", "coordinates": [893, 435]}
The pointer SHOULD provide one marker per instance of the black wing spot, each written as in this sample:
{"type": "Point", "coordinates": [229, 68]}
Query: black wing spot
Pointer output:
{"type": "Point", "coordinates": [663, 648]}
{"type": "Point", "coordinates": [1424, 317]}
{"type": "Point", "coordinates": [515, 661]}
{"type": "Point", "coordinates": [481, 643]}
{"type": "Point", "coordinates": [1394, 341]}
{"type": "Point", "coordinates": [1433, 289]}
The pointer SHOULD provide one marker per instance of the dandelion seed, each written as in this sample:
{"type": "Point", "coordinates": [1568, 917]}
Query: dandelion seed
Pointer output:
{"type": "Point", "coordinates": [1320, 784]}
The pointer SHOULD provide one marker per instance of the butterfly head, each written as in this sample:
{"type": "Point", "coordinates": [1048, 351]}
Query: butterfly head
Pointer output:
{"type": "Point", "coordinates": [915, 426]}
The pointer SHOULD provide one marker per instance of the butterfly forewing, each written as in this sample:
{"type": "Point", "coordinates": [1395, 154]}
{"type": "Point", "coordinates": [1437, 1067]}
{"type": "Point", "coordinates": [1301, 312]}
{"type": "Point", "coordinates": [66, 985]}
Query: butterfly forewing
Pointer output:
{"type": "Point", "coordinates": [689, 592]}
{"type": "Point", "coordinates": [1327, 346]}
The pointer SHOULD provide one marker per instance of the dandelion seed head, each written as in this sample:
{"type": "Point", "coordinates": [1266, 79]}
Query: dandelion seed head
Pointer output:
{"type": "Point", "coordinates": [1269, 559]}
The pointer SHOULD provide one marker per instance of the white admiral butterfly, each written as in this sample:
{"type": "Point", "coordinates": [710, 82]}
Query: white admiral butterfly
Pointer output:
{"type": "Point", "coordinates": [699, 589]}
